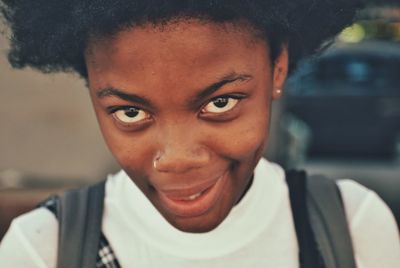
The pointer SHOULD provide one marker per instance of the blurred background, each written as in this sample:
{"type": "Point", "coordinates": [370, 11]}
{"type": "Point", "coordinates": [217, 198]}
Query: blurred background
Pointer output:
{"type": "Point", "coordinates": [341, 112]}
{"type": "Point", "coordinates": [340, 116]}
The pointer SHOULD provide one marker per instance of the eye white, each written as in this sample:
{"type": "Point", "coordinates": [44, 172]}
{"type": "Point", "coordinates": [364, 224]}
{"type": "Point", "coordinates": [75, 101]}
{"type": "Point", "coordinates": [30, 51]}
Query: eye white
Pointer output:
{"type": "Point", "coordinates": [130, 115]}
{"type": "Point", "coordinates": [220, 105]}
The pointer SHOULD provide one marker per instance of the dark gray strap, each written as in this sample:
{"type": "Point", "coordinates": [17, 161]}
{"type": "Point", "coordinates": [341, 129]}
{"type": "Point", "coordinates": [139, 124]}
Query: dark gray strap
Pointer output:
{"type": "Point", "coordinates": [329, 224]}
{"type": "Point", "coordinates": [309, 255]}
{"type": "Point", "coordinates": [80, 214]}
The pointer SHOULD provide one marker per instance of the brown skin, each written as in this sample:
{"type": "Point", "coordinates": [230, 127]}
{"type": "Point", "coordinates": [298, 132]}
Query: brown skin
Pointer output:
{"type": "Point", "coordinates": [178, 140]}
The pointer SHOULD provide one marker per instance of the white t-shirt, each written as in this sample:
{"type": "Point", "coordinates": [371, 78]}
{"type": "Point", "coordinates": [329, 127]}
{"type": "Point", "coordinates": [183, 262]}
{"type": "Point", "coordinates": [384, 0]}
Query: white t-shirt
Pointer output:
{"type": "Point", "coordinates": [258, 232]}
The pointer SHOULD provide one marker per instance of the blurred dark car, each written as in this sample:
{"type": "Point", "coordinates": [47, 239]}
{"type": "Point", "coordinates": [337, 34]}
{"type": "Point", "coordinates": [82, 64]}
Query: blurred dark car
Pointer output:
{"type": "Point", "coordinates": [350, 99]}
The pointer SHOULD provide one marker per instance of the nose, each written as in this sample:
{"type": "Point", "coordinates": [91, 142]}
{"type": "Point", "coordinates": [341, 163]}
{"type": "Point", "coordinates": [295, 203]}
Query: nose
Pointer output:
{"type": "Point", "coordinates": [180, 155]}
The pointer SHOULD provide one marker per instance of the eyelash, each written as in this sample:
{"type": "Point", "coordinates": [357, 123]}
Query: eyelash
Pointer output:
{"type": "Point", "coordinates": [113, 109]}
{"type": "Point", "coordinates": [234, 97]}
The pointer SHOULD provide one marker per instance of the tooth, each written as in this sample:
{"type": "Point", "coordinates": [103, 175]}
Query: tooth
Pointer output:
{"type": "Point", "coordinates": [193, 197]}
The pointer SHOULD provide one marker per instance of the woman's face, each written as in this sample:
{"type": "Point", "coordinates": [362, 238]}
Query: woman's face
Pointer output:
{"type": "Point", "coordinates": [185, 109]}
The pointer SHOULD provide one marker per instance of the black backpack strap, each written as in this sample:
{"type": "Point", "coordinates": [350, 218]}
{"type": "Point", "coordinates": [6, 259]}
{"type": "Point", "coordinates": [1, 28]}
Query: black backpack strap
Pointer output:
{"type": "Point", "coordinates": [309, 254]}
{"type": "Point", "coordinates": [79, 214]}
{"type": "Point", "coordinates": [329, 223]}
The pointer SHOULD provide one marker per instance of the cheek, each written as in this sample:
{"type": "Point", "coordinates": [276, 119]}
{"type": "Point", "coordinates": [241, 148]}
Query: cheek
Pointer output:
{"type": "Point", "coordinates": [245, 138]}
{"type": "Point", "coordinates": [250, 140]}
{"type": "Point", "coordinates": [134, 154]}
{"type": "Point", "coordinates": [132, 150]}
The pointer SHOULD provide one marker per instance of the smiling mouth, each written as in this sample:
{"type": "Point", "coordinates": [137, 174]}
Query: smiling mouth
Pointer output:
{"type": "Point", "coordinates": [194, 201]}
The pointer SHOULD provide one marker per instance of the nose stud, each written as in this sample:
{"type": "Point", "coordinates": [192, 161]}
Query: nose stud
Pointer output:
{"type": "Point", "coordinates": [155, 162]}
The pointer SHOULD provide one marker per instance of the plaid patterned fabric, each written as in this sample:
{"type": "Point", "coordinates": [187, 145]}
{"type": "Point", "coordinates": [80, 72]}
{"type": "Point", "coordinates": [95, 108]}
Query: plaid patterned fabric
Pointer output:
{"type": "Point", "coordinates": [105, 254]}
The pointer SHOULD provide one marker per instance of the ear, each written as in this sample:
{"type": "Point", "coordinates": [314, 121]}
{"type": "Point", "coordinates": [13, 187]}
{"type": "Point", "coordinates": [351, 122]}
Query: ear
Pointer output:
{"type": "Point", "coordinates": [281, 67]}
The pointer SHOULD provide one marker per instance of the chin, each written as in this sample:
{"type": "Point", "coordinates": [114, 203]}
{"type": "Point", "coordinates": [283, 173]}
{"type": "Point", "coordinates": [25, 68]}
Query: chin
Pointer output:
{"type": "Point", "coordinates": [196, 225]}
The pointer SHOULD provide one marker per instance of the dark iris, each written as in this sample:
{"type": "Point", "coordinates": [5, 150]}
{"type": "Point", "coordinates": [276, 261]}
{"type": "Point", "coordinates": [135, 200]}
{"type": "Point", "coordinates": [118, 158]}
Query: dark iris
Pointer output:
{"type": "Point", "coordinates": [220, 102]}
{"type": "Point", "coordinates": [131, 112]}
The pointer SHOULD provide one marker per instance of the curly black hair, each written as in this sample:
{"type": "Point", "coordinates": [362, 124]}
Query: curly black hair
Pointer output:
{"type": "Point", "coordinates": [51, 35]}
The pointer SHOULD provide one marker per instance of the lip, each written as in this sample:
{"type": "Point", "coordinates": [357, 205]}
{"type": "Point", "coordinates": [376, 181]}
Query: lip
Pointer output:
{"type": "Point", "coordinates": [172, 200]}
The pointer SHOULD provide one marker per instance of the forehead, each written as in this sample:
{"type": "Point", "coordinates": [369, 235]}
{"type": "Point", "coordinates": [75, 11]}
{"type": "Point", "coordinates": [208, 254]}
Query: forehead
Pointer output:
{"type": "Point", "coordinates": [184, 49]}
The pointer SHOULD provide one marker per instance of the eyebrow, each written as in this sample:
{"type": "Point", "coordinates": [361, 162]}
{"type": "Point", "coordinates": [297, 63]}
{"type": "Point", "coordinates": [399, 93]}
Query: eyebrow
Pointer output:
{"type": "Point", "coordinates": [207, 91]}
{"type": "Point", "coordinates": [110, 91]}
{"type": "Point", "coordinates": [230, 78]}
{"type": "Point", "coordinates": [227, 79]}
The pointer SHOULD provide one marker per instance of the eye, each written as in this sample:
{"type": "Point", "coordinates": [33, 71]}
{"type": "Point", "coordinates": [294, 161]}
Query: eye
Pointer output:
{"type": "Point", "coordinates": [129, 115]}
{"type": "Point", "coordinates": [220, 105]}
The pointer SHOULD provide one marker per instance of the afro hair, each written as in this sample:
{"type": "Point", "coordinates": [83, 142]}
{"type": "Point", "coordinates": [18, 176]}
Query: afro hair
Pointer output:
{"type": "Point", "coordinates": [51, 35]}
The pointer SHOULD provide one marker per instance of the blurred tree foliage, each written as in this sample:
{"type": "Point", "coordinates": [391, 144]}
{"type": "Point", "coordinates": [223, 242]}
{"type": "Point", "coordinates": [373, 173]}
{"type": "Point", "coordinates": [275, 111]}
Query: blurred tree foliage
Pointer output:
{"type": "Point", "coordinates": [381, 30]}
{"type": "Point", "coordinates": [380, 20]}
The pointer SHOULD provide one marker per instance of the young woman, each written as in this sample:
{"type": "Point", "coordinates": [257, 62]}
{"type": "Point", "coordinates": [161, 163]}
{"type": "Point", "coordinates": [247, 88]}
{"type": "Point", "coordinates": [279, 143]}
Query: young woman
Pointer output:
{"type": "Point", "coordinates": [182, 91]}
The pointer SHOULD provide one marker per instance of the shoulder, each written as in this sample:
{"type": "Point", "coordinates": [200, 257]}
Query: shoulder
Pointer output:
{"type": "Point", "coordinates": [31, 240]}
{"type": "Point", "coordinates": [361, 203]}
{"type": "Point", "coordinates": [373, 228]}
